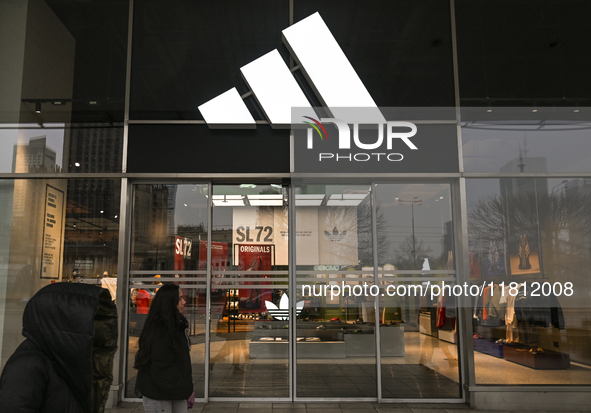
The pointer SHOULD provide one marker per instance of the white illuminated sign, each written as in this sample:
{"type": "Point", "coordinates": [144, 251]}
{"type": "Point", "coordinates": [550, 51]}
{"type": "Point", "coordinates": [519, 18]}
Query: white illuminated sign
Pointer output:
{"type": "Point", "coordinates": [275, 88]}
{"type": "Point", "coordinates": [320, 57]}
{"type": "Point", "coordinates": [332, 75]}
{"type": "Point", "coordinates": [227, 110]}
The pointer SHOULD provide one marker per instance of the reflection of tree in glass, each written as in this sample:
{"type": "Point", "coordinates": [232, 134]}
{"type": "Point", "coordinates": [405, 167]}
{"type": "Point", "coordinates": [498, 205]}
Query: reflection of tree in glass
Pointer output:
{"type": "Point", "coordinates": [364, 234]}
{"type": "Point", "coordinates": [410, 255]}
{"type": "Point", "coordinates": [561, 220]}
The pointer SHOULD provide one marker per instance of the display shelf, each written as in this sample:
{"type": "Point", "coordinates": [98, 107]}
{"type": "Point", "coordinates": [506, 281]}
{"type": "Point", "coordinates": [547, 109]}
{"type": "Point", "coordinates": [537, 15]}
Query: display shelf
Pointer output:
{"type": "Point", "coordinates": [449, 336]}
{"type": "Point", "coordinates": [489, 347]}
{"type": "Point", "coordinates": [332, 340]}
{"type": "Point", "coordinates": [546, 360]}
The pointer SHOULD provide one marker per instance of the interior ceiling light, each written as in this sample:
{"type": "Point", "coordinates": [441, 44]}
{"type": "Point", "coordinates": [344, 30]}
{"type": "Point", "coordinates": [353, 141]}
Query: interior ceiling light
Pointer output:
{"type": "Point", "coordinates": [228, 200]}
{"type": "Point", "coordinates": [309, 199]}
{"type": "Point", "coordinates": [346, 199]}
{"type": "Point", "coordinates": [37, 107]}
{"type": "Point", "coordinates": [266, 200]}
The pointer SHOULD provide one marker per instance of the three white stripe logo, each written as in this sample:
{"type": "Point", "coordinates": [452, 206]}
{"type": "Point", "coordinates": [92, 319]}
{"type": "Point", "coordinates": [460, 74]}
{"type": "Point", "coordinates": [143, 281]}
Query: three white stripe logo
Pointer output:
{"type": "Point", "coordinates": [324, 64]}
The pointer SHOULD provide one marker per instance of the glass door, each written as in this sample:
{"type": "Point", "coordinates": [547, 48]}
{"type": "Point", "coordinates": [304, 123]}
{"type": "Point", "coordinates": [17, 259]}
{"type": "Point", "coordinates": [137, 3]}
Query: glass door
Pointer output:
{"type": "Point", "coordinates": [169, 245]}
{"type": "Point", "coordinates": [418, 329]}
{"type": "Point", "coordinates": [346, 305]}
{"type": "Point", "coordinates": [335, 330]}
{"type": "Point", "coordinates": [249, 331]}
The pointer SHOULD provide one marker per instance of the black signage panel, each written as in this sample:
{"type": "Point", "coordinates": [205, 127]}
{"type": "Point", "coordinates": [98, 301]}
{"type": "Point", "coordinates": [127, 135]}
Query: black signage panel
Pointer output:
{"type": "Point", "coordinates": [198, 149]}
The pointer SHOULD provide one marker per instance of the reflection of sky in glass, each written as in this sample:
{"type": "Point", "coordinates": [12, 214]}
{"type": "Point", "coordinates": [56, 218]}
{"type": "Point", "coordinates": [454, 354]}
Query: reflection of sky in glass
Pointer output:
{"type": "Point", "coordinates": [488, 148]}
{"type": "Point", "coordinates": [11, 137]}
{"type": "Point", "coordinates": [190, 205]}
{"type": "Point", "coordinates": [432, 212]}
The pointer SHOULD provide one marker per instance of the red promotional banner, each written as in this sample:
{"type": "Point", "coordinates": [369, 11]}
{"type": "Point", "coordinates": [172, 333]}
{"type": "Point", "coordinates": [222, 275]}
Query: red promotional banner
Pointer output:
{"type": "Point", "coordinates": [219, 262]}
{"type": "Point", "coordinates": [253, 257]}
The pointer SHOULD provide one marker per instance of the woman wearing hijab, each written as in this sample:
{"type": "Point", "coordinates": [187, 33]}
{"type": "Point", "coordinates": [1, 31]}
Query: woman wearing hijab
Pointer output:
{"type": "Point", "coordinates": [163, 359]}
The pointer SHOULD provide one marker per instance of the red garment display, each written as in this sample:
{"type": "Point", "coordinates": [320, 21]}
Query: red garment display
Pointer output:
{"type": "Point", "coordinates": [440, 311]}
{"type": "Point", "coordinates": [142, 301]}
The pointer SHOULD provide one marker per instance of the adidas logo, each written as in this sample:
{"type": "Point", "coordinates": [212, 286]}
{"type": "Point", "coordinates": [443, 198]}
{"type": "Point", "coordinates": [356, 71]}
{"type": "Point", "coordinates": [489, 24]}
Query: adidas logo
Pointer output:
{"type": "Point", "coordinates": [282, 312]}
{"type": "Point", "coordinates": [330, 74]}
{"type": "Point", "coordinates": [335, 236]}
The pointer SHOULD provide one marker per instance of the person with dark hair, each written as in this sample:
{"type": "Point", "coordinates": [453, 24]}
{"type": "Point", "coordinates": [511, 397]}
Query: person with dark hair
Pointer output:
{"type": "Point", "coordinates": [65, 363]}
{"type": "Point", "coordinates": [163, 359]}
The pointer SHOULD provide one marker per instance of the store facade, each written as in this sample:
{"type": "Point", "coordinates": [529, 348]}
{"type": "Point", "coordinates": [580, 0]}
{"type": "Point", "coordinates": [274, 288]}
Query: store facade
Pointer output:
{"type": "Point", "coordinates": [146, 143]}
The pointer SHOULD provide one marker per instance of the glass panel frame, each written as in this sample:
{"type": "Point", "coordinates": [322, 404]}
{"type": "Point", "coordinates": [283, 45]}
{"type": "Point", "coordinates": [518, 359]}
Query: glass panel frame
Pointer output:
{"type": "Point", "coordinates": [230, 282]}
{"type": "Point", "coordinates": [530, 237]}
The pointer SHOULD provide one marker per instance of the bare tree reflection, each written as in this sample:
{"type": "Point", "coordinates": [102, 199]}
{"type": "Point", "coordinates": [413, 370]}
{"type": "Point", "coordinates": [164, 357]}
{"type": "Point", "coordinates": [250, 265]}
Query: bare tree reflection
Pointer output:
{"type": "Point", "coordinates": [560, 220]}
{"type": "Point", "coordinates": [411, 252]}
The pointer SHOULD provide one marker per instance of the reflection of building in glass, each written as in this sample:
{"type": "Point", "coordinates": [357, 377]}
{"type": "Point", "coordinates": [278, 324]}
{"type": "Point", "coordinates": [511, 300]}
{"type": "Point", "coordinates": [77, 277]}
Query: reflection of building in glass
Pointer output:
{"type": "Point", "coordinates": [91, 231]}
{"type": "Point", "coordinates": [95, 148]}
{"type": "Point", "coordinates": [150, 228]}
{"type": "Point", "coordinates": [578, 186]}
{"type": "Point", "coordinates": [93, 204]}
{"type": "Point", "coordinates": [171, 228]}
{"type": "Point", "coordinates": [35, 156]}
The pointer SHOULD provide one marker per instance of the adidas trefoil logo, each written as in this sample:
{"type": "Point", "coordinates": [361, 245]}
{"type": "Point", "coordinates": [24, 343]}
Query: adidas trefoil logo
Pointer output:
{"type": "Point", "coordinates": [335, 236]}
{"type": "Point", "coordinates": [282, 312]}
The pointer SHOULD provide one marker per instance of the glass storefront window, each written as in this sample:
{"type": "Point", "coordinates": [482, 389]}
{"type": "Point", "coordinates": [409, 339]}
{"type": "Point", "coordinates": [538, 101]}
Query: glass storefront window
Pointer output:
{"type": "Point", "coordinates": [60, 148]}
{"type": "Point", "coordinates": [63, 86]}
{"type": "Point", "coordinates": [526, 140]}
{"type": "Point", "coordinates": [529, 249]}
{"type": "Point", "coordinates": [414, 225]}
{"type": "Point", "coordinates": [336, 347]}
{"type": "Point", "coordinates": [65, 62]}
{"type": "Point", "coordinates": [54, 230]}
{"type": "Point", "coordinates": [418, 328]}
{"type": "Point", "coordinates": [169, 244]}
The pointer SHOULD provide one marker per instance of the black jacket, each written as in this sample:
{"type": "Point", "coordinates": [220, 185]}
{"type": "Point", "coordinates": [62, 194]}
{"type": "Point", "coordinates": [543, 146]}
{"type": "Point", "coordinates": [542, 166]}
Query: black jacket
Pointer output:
{"type": "Point", "coordinates": [65, 364]}
{"type": "Point", "coordinates": [167, 376]}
